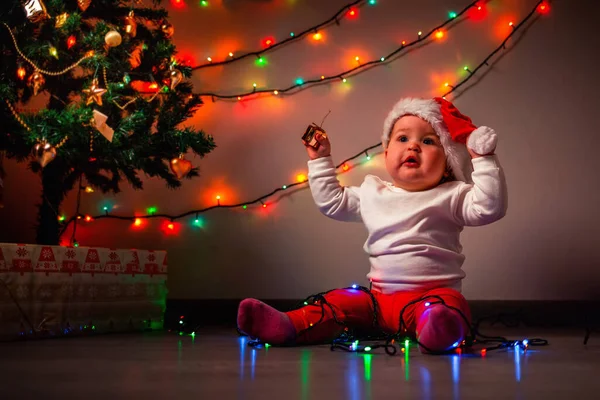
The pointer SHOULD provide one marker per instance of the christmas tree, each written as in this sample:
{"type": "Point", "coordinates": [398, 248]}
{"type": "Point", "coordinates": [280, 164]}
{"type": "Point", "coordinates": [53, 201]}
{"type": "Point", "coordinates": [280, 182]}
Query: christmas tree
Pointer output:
{"type": "Point", "coordinates": [114, 97]}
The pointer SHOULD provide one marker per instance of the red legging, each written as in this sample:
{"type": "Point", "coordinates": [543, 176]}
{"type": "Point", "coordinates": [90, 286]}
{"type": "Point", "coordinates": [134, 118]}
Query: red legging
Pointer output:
{"type": "Point", "coordinates": [354, 308]}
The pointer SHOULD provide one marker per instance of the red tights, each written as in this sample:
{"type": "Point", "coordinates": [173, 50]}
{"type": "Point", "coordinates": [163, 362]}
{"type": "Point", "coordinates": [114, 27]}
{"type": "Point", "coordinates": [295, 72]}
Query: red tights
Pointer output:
{"type": "Point", "coordinates": [425, 320]}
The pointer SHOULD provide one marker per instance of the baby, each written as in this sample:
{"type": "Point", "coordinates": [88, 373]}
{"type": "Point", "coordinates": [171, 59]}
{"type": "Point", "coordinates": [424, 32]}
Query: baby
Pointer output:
{"type": "Point", "coordinates": [438, 186]}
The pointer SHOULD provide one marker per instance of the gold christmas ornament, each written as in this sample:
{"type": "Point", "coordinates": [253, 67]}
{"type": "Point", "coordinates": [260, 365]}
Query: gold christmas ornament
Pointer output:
{"type": "Point", "coordinates": [44, 153]}
{"type": "Point", "coordinates": [36, 81]}
{"type": "Point", "coordinates": [113, 38]}
{"type": "Point", "coordinates": [176, 78]}
{"type": "Point", "coordinates": [130, 24]}
{"type": "Point", "coordinates": [94, 93]}
{"type": "Point", "coordinates": [99, 121]}
{"type": "Point", "coordinates": [35, 10]}
{"type": "Point", "coordinates": [84, 4]}
{"type": "Point", "coordinates": [61, 20]}
{"type": "Point", "coordinates": [180, 166]}
{"type": "Point", "coordinates": [167, 29]}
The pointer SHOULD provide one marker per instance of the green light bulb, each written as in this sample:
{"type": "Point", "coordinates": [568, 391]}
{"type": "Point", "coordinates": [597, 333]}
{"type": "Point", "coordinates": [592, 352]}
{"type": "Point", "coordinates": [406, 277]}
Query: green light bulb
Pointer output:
{"type": "Point", "coordinates": [452, 14]}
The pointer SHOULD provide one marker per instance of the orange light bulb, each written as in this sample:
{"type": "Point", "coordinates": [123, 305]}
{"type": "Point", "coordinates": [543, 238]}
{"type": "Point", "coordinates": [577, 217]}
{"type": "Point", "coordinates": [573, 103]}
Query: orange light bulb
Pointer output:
{"type": "Point", "coordinates": [137, 222]}
{"type": "Point", "coordinates": [301, 178]}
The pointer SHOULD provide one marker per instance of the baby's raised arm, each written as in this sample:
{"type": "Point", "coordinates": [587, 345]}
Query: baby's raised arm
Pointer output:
{"type": "Point", "coordinates": [332, 199]}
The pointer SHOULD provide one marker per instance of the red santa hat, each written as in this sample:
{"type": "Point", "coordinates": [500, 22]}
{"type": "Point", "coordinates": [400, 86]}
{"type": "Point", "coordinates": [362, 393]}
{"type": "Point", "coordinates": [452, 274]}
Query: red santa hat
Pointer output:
{"type": "Point", "coordinates": [453, 128]}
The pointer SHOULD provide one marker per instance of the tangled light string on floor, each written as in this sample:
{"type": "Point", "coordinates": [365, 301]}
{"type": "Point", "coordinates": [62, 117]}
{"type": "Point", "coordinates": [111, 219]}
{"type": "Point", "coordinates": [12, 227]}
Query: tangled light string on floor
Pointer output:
{"type": "Point", "coordinates": [344, 165]}
{"type": "Point", "coordinates": [348, 341]}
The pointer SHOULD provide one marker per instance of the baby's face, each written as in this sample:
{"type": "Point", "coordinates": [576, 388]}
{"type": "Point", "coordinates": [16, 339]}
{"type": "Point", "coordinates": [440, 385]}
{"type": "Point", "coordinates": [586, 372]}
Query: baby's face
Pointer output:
{"type": "Point", "coordinates": [415, 158]}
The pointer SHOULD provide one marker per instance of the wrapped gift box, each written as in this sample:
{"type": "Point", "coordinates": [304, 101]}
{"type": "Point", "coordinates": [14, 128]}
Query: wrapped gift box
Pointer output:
{"type": "Point", "coordinates": [55, 291]}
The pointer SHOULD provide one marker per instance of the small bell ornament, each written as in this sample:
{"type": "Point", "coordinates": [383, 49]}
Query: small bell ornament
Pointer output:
{"type": "Point", "coordinates": [36, 81]}
{"type": "Point", "coordinates": [130, 24]}
{"type": "Point", "coordinates": [167, 29]}
{"type": "Point", "coordinates": [44, 153]}
{"type": "Point", "coordinates": [176, 77]}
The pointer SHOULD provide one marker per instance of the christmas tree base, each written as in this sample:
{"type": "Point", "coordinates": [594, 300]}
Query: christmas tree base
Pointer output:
{"type": "Point", "coordinates": [53, 291]}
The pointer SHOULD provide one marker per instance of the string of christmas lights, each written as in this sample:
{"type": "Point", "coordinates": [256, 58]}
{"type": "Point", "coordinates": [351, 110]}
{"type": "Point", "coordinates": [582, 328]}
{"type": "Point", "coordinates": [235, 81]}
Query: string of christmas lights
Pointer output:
{"type": "Point", "coordinates": [270, 44]}
{"type": "Point", "coordinates": [437, 32]}
{"type": "Point", "coordinates": [349, 342]}
{"type": "Point", "coordinates": [344, 165]}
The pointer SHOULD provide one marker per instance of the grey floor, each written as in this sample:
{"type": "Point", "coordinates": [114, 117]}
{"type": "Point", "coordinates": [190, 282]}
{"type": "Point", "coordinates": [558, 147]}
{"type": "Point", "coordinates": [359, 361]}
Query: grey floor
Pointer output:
{"type": "Point", "coordinates": [217, 364]}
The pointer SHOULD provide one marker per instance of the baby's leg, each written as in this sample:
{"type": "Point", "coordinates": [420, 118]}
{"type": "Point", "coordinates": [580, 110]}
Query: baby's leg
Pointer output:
{"type": "Point", "coordinates": [438, 327]}
{"type": "Point", "coordinates": [323, 321]}
{"type": "Point", "coordinates": [310, 324]}
{"type": "Point", "coordinates": [259, 320]}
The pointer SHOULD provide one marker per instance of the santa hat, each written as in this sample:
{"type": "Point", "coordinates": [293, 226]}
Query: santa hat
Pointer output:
{"type": "Point", "coordinates": [453, 128]}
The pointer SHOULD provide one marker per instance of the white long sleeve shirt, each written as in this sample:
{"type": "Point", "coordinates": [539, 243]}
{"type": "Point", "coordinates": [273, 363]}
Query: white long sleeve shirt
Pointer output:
{"type": "Point", "coordinates": [413, 237]}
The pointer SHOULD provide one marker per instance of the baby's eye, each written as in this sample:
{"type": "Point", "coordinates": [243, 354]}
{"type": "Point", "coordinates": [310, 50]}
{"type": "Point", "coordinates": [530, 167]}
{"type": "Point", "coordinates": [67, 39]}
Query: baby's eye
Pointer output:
{"type": "Point", "coordinates": [428, 141]}
{"type": "Point", "coordinates": [402, 138]}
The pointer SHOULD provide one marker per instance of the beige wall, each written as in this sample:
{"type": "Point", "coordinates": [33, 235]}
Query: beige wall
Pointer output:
{"type": "Point", "coordinates": [541, 97]}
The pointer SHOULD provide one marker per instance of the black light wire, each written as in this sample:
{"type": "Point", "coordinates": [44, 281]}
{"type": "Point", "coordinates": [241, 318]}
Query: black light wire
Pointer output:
{"type": "Point", "coordinates": [386, 341]}
{"type": "Point", "coordinates": [336, 18]}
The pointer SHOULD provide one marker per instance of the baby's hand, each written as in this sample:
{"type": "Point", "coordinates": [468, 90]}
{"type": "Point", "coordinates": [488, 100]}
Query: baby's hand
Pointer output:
{"type": "Point", "coordinates": [482, 142]}
{"type": "Point", "coordinates": [324, 149]}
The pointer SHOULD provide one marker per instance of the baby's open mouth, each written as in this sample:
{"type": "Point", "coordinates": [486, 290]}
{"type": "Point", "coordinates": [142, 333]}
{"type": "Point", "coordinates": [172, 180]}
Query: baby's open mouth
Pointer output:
{"type": "Point", "coordinates": [411, 162]}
